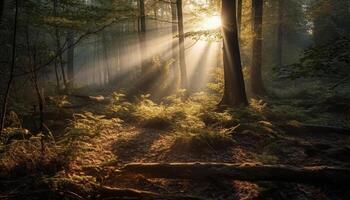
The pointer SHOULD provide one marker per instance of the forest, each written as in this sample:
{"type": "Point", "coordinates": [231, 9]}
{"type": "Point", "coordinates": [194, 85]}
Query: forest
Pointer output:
{"type": "Point", "coordinates": [175, 99]}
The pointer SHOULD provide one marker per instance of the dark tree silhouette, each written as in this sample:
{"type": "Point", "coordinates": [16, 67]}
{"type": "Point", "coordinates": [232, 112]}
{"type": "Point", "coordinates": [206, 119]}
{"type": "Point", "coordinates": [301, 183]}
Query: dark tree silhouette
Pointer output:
{"type": "Point", "coordinates": [234, 89]}
{"type": "Point", "coordinates": [256, 83]}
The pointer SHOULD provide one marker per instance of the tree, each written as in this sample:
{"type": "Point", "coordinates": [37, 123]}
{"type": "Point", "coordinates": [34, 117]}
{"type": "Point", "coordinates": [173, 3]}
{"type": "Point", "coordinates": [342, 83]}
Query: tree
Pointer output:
{"type": "Point", "coordinates": [239, 14]}
{"type": "Point", "coordinates": [174, 33]}
{"type": "Point", "coordinates": [256, 83]}
{"type": "Point", "coordinates": [142, 32]}
{"type": "Point", "coordinates": [280, 33]}
{"type": "Point", "coordinates": [59, 47]}
{"type": "Point", "coordinates": [12, 70]}
{"type": "Point", "coordinates": [234, 88]}
{"type": "Point", "coordinates": [70, 58]}
{"type": "Point", "coordinates": [2, 7]}
{"type": "Point", "coordinates": [182, 57]}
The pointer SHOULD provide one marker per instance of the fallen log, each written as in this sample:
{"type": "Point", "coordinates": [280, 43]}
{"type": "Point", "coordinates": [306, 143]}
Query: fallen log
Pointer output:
{"type": "Point", "coordinates": [244, 172]}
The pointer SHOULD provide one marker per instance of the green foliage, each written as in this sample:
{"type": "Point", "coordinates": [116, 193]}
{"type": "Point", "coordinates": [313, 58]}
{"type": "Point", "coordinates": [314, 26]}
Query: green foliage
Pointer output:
{"type": "Point", "coordinates": [329, 60]}
{"type": "Point", "coordinates": [199, 139]}
{"type": "Point", "coordinates": [89, 125]}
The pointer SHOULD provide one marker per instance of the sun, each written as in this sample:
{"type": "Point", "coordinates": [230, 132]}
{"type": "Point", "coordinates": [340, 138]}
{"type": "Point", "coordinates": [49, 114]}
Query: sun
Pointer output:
{"type": "Point", "coordinates": [212, 22]}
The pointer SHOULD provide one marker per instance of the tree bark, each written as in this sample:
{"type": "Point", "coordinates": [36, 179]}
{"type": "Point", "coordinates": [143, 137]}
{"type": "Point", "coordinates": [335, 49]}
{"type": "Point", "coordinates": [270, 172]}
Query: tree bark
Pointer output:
{"type": "Point", "coordinates": [58, 47]}
{"type": "Point", "coordinates": [245, 172]}
{"type": "Point", "coordinates": [142, 35]}
{"type": "Point", "coordinates": [2, 7]}
{"type": "Point", "coordinates": [234, 88]}
{"type": "Point", "coordinates": [174, 30]}
{"type": "Point", "coordinates": [280, 33]}
{"type": "Point", "coordinates": [182, 56]}
{"type": "Point", "coordinates": [106, 59]}
{"type": "Point", "coordinates": [12, 69]}
{"type": "Point", "coordinates": [58, 85]}
{"type": "Point", "coordinates": [256, 83]}
{"type": "Point", "coordinates": [239, 15]}
{"type": "Point", "coordinates": [70, 58]}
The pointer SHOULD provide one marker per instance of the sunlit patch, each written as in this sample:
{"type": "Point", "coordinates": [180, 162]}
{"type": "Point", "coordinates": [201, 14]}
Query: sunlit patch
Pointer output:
{"type": "Point", "coordinates": [212, 22]}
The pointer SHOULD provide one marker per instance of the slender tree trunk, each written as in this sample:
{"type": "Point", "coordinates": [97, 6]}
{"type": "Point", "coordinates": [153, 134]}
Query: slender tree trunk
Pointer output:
{"type": "Point", "coordinates": [70, 58]}
{"type": "Point", "coordinates": [58, 86]}
{"type": "Point", "coordinates": [182, 56]}
{"type": "Point", "coordinates": [234, 89]}
{"type": "Point", "coordinates": [58, 47]}
{"type": "Point", "coordinates": [257, 86]}
{"type": "Point", "coordinates": [174, 44]}
{"type": "Point", "coordinates": [106, 59]}
{"type": "Point", "coordinates": [12, 69]}
{"type": "Point", "coordinates": [280, 33]}
{"type": "Point", "coordinates": [142, 35]}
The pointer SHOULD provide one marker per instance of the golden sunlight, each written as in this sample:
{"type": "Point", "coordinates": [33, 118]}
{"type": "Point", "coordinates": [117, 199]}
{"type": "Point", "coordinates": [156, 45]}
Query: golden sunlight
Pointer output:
{"type": "Point", "coordinates": [212, 22]}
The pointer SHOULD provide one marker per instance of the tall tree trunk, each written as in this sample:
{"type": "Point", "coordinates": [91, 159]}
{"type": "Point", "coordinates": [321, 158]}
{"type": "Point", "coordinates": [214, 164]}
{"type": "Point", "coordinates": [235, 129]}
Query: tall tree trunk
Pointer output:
{"type": "Point", "coordinates": [58, 47]}
{"type": "Point", "coordinates": [234, 89]}
{"type": "Point", "coordinates": [12, 69]}
{"type": "Point", "coordinates": [280, 33]}
{"type": "Point", "coordinates": [142, 35]}
{"type": "Point", "coordinates": [106, 59]}
{"type": "Point", "coordinates": [239, 15]}
{"type": "Point", "coordinates": [257, 86]}
{"type": "Point", "coordinates": [70, 58]}
{"type": "Point", "coordinates": [174, 30]}
{"type": "Point", "coordinates": [58, 86]}
{"type": "Point", "coordinates": [182, 57]}
{"type": "Point", "coordinates": [2, 7]}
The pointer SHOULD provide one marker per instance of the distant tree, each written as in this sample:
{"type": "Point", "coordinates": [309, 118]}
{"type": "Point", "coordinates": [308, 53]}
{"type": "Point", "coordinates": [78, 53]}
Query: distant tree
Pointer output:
{"type": "Point", "coordinates": [234, 88]}
{"type": "Point", "coordinates": [256, 82]}
{"type": "Point", "coordinates": [330, 20]}
{"type": "Point", "coordinates": [280, 33]}
{"type": "Point", "coordinates": [70, 58]}
{"type": "Point", "coordinates": [174, 31]}
{"type": "Point", "coordinates": [142, 33]}
{"type": "Point", "coordinates": [182, 56]}
{"type": "Point", "coordinates": [12, 70]}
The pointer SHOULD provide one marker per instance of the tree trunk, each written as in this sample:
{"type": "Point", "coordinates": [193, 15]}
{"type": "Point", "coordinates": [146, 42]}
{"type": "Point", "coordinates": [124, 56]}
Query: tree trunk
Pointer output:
{"type": "Point", "coordinates": [257, 86]}
{"type": "Point", "coordinates": [182, 56]}
{"type": "Point", "coordinates": [239, 15]}
{"type": "Point", "coordinates": [106, 59]}
{"type": "Point", "coordinates": [12, 69]}
{"type": "Point", "coordinates": [280, 33]}
{"type": "Point", "coordinates": [234, 89]}
{"type": "Point", "coordinates": [58, 86]}
{"type": "Point", "coordinates": [175, 66]}
{"type": "Point", "coordinates": [2, 7]}
{"type": "Point", "coordinates": [58, 47]}
{"type": "Point", "coordinates": [70, 58]}
{"type": "Point", "coordinates": [245, 172]}
{"type": "Point", "coordinates": [142, 35]}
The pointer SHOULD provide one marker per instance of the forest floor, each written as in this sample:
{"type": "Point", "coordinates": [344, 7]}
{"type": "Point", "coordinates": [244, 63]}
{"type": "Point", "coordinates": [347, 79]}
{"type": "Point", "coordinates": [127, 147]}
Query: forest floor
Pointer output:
{"type": "Point", "coordinates": [72, 170]}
